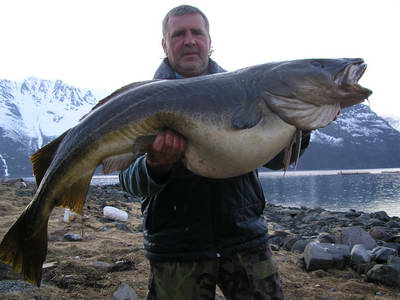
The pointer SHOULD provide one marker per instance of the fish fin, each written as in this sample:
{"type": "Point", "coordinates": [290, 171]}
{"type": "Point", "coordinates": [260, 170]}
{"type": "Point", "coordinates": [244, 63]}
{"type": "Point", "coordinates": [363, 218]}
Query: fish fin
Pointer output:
{"type": "Point", "coordinates": [74, 197]}
{"type": "Point", "coordinates": [246, 116]}
{"type": "Point", "coordinates": [120, 162]}
{"type": "Point", "coordinates": [43, 157]}
{"type": "Point", "coordinates": [287, 157]}
{"type": "Point", "coordinates": [297, 150]}
{"type": "Point", "coordinates": [25, 254]}
{"type": "Point", "coordinates": [120, 90]}
{"type": "Point", "coordinates": [296, 140]}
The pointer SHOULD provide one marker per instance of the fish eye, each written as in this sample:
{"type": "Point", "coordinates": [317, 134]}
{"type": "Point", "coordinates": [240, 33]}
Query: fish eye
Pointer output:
{"type": "Point", "coordinates": [317, 64]}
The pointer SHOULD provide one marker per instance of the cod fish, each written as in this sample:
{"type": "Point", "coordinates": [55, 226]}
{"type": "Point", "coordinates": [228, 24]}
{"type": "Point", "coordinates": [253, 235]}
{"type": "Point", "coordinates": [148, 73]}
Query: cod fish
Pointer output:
{"type": "Point", "coordinates": [233, 122]}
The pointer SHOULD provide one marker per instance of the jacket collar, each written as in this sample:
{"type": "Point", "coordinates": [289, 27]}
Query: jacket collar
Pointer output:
{"type": "Point", "coordinates": [164, 71]}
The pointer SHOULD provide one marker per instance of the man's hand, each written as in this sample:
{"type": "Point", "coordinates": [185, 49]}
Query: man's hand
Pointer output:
{"type": "Point", "coordinates": [167, 149]}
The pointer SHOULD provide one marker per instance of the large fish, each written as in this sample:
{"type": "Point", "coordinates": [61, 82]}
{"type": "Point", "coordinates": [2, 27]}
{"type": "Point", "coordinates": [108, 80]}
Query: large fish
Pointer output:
{"type": "Point", "coordinates": [233, 122]}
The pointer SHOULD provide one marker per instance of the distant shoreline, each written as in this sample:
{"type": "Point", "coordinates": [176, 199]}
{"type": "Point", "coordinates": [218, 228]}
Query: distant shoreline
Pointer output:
{"type": "Point", "coordinates": [262, 173]}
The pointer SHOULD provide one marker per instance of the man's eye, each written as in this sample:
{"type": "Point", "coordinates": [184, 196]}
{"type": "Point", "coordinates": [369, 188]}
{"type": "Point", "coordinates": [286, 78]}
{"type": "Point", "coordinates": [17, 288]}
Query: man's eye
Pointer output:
{"type": "Point", "coordinates": [197, 32]}
{"type": "Point", "coordinates": [178, 33]}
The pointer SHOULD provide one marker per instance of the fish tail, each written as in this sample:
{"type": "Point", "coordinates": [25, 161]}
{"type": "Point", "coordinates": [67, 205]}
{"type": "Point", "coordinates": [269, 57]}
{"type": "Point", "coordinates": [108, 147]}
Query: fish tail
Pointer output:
{"type": "Point", "coordinates": [24, 253]}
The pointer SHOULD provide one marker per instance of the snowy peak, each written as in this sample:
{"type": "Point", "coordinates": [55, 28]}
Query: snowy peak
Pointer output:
{"type": "Point", "coordinates": [36, 110]}
{"type": "Point", "coordinates": [395, 123]}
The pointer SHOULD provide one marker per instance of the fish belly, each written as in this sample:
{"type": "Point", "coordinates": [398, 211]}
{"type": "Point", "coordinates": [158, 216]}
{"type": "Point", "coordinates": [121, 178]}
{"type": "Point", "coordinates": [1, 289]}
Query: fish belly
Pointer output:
{"type": "Point", "coordinates": [218, 151]}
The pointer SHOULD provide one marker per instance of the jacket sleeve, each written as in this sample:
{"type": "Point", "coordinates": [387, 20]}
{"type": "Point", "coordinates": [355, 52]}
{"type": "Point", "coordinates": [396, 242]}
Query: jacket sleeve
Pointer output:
{"type": "Point", "coordinates": [136, 180]}
{"type": "Point", "coordinates": [277, 162]}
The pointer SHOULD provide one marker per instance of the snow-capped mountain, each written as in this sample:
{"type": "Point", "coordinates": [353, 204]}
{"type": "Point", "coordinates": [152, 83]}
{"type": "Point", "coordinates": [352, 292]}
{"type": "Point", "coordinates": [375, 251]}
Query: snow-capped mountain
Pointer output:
{"type": "Point", "coordinates": [395, 123]}
{"type": "Point", "coordinates": [358, 139]}
{"type": "Point", "coordinates": [32, 112]}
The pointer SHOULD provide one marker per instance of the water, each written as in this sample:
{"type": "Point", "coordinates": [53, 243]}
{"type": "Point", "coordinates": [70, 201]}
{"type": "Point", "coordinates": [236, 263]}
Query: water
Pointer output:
{"type": "Point", "coordinates": [364, 190]}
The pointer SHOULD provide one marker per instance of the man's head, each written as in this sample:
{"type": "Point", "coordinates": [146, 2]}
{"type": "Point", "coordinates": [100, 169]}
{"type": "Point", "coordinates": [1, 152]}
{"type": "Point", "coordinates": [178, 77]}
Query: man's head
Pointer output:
{"type": "Point", "coordinates": [186, 40]}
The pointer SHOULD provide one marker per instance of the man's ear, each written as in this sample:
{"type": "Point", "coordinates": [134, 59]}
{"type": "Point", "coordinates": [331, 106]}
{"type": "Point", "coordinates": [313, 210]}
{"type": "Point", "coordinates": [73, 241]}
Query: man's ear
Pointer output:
{"type": "Point", "coordinates": [164, 45]}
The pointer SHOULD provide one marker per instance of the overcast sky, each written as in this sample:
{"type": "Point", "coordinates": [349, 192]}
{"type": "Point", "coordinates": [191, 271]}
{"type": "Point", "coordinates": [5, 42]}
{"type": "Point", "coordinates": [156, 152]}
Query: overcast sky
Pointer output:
{"type": "Point", "coordinates": [107, 44]}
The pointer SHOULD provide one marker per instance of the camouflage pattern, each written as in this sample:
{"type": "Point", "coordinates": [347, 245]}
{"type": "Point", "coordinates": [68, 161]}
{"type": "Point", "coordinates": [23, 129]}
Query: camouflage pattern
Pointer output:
{"type": "Point", "coordinates": [250, 275]}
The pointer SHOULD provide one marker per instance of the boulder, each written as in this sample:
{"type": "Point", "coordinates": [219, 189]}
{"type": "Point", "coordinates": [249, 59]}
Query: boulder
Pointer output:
{"type": "Point", "coordinates": [384, 274]}
{"type": "Point", "coordinates": [360, 255]}
{"type": "Point", "coordinates": [356, 235]}
{"type": "Point", "coordinates": [124, 292]}
{"type": "Point", "coordinates": [325, 256]}
{"type": "Point", "coordinates": [381, 254]}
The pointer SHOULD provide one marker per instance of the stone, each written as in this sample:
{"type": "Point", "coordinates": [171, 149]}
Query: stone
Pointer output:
{"type": "Point", "coordinates": [360, 255]}
{"type": "Point", "coordinates": [393, 224]}
{"type": "Point", "coordinates": [380, 233]}
{"type": "Point", "coordinates": [394, 261]}
{"type": "Point", "coordinates": [395, 246]}
{"type": "Point", "coordinates": [325, 256]}
{"type": "Point", "coordinates": [381, 254]}
{"type": "Point", "coordinates": [72, 237]}
{"type": "Point", "coordinates": [125, 292]}
{"type": "Point", "coordinates": [299, 245]}
{"type": "Point", "coordinates": [289, 241]}
{"type": "Point", "coordinates": [325, 237]}
{"type": "Point", "coordinates": [384, 274]}
{"type": "Point", "coordinates": [380, 215]}
{"type": "Point", "coordinates": [356, 235]}
{"type": "Point", "coordinates": [375, 222]}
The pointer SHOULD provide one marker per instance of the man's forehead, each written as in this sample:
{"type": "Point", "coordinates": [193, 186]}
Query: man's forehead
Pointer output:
{"type": "Point", "coordinates": [189, 21]}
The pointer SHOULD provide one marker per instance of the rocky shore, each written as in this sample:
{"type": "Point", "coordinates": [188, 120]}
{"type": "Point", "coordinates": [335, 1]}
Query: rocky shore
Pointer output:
{"type": "Point", "coordinates": [321, 254]}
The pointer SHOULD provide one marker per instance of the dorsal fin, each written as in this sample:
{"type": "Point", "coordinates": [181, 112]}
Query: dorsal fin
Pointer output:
{"type": "Point", "coordinates": [43, 157]}
{"type": "Point", "coordinates": [120, 90]}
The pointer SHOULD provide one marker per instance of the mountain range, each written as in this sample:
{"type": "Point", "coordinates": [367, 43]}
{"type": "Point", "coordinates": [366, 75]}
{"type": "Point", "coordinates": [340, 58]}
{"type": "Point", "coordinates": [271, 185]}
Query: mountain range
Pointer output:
{"type": "Point", "coordinates": [35, 111]}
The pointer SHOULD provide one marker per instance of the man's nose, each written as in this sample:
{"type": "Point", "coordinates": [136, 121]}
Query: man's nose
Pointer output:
{"type": "Point", "coordinates": [190, 40]}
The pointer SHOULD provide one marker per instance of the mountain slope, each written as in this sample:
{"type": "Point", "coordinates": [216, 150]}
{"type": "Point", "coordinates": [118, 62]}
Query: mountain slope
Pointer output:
{"type": "Point", "coordinates": [358, 139]}
{"type": "Point", "coordinates": [33, 112]}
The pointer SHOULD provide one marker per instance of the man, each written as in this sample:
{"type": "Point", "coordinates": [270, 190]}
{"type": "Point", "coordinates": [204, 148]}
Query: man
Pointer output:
{"type": "Point", "coordinates": [199, 232]}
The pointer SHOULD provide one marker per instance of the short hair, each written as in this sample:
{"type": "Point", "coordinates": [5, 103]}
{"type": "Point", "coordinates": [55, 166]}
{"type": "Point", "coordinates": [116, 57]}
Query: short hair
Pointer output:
{"type": "Point", "coordinates": [183, 10]}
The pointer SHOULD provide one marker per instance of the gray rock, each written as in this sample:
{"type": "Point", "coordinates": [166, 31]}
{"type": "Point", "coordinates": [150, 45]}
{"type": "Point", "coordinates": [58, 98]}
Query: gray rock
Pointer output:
{"type": "Point", "coordinates": [393, 224]}
{"type": "Point", "coordinates": [381, 254]}
{"type": "Point", "coordinates": [73, 237]}
{"type": "Point", "coordinates": [14, 286]}
{"type": "Point", "coordinates": [360, 255]}
{"type": "Point", "coordinates": [299, 245]}
{"type": "Point", "coordinates": [375, 222]}
{"type": "Point", "coordinates": [352, 214]}
{"type": "Point", "coordinates": [289, 241]}
{"type": "Point", "coordinates": [325, 237]}
{"type": "Point", "coordinates": [395, 246]}
{"type": "Point", "coordinates": [394, 261]}
{"type": "Point", "coordinates": [324, 256]}
{"type": "Point", "coordinates": [384, 274]}
{"type": "Point", "coordinates": [380, 233]}
{"type": "Point", "coordinates": [395, 239]}
{"type": "Point", "coordinates": [380, 215]}
{"type": "Point", "coordinates": [356, 235]}
{"type": "Point", "coordinates": [124, 292]}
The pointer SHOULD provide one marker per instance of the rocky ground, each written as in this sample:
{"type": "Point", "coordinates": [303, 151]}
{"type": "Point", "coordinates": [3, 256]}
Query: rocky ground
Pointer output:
{"type": "Point", "coordinates": [108, 253]}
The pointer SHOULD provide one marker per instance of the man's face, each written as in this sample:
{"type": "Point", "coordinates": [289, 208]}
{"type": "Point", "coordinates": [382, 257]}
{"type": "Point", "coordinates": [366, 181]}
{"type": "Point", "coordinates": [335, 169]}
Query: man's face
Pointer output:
{"type": "Point", "coordinates": [186, 44]}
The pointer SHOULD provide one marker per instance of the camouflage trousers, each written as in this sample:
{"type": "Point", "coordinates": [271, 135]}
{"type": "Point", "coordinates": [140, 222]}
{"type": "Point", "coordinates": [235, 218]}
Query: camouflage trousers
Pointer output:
{"type": "Point", "coordinates": [250, 275]}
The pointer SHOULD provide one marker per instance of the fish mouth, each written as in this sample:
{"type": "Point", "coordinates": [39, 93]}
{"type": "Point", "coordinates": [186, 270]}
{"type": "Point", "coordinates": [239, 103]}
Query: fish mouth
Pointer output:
{"type": "Point", "coordinates": [348, 79]}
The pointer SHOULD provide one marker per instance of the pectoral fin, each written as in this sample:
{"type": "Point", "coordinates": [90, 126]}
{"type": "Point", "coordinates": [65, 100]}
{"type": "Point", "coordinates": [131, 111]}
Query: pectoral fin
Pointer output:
{"type": "Point", "coordinates": [246, 116]}
{"type": "Point", "coordinates": [120, 162]}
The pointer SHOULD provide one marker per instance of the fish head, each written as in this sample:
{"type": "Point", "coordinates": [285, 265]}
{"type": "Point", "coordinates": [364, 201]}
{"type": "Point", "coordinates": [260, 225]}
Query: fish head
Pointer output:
{"type": "Point", "coordinates": [309, 93]}
{"type": "Point", "coordinates": [322, 81]}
